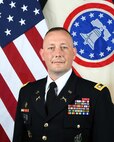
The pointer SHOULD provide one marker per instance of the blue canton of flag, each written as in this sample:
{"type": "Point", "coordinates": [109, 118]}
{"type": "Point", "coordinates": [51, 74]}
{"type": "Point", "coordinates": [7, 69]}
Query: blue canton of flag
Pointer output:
{"type": "Point", "coordinates": [17, 17]}
{"type": "Point", "coordinates": [93, 34]}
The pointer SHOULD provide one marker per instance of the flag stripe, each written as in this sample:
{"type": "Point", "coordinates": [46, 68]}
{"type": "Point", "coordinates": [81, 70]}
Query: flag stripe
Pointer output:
{"type": "Point", "coordinates": [6, 69]}
{"type": "Point", "coordinates": [3, 136]}
{"type": "Point", "coordinates": [36, 40]}
{"type": "Point", "coordinates": [28, 54]}
{"type": "Point", "coordinates": [9, 101]}
{"type": "Point", "coordinates": [42, 28]}
{"type": "Point", "coordinates": [20, 59]}
{"type": "Point", "coordinates": [7, 125]}
{"type": "Point", "coordinates": [18, 64]}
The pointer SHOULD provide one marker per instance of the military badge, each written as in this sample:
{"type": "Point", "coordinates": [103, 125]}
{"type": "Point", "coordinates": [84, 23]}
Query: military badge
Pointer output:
{"type": "Point", "coordinates": [24, 110]}
{"type": "Point", "coordinates": [78, 138]}
{"type": "Point", "coordinates": [99, 86]}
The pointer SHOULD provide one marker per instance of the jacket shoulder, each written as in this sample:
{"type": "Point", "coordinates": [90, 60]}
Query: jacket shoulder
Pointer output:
{"type": "Point", "coordinates": [34, 83]}
{"type": "Point", "coordinates": [90, 85]}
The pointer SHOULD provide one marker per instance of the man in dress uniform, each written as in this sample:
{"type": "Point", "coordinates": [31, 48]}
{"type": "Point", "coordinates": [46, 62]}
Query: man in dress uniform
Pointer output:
{"type": "Point", "coordinates": [63, 107]}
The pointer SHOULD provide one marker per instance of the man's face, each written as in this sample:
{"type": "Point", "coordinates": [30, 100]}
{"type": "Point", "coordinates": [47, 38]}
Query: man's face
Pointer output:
{"type": "Point", "coordinates": [58, 52]}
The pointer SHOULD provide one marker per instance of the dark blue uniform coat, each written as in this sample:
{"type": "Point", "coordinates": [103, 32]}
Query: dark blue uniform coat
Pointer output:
{"type": "Point", "coordinates": [81, 113]}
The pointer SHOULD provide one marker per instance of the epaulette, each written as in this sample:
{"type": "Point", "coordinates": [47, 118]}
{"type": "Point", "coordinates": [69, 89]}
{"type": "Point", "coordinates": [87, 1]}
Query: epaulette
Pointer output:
{"type": "Point", "coordinates": [24, 84]}
{"type": "Point", "coordinates": [99, 86]}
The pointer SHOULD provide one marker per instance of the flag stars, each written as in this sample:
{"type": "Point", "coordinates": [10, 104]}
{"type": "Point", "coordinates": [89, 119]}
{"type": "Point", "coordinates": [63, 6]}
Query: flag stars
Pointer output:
{"type": "Point", "coordinates": [75, 43]}
{"type": "Point", "coordinates": [76, 24]}
{"type": "Point", "coordinates": [109, 21]}
{"type": "Point", "coordinates": [112, 40]}
{"type": "Point", "coordinates": [8, 32]}
{"type": "Point", "coordinates": [22, 22]}
{"type": "Point", "coordinates": [91, 55]}
{"type": "Point", "coordinates": [36, 11]}
{"type": "Point", "coordinates": [12, 4]}
{"type": "Point", "coordinates": [10, 18]}
{"type": "Point", "coordinates": [24, 8]}
{"type": "Point", "coordinates": [101, 54]}
{"type": "Point", "coordinates": [1, 2]}
{"type": "Point", "coordinates": [81, 51]}
{"type": "Point", "coordinates": [108, 48]}
{"type": "Point", "coordinates": [73, 34]}
{"type": "Point", "coordinates": [91, 15]}
{"type": "Point", "coordinates": [83, 18]}
{"type": "Point", "coordinates": [101, 15]}
{"type": "Point", "coordinates": [0, 15]}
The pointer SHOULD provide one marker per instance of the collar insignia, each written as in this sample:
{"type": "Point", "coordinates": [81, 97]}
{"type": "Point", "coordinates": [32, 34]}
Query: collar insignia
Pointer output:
{"type": "Point", "coordinates": [69, 91]}
{"type": "Point", "coordinates": [63, 98]}
{"type": "Point", "coordinates": [37, 92]}
{"type": "Point", "coordinates": [38, 98]}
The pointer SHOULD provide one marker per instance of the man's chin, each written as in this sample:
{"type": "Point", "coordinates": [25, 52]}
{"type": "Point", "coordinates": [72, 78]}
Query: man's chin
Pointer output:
{"type": "Point", "coordinates": [59, 71]}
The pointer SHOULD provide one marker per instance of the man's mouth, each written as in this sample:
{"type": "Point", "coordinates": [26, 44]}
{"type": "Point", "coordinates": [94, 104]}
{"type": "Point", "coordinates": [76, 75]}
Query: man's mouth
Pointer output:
{"type": "Point", "coordinates": [58, 62]}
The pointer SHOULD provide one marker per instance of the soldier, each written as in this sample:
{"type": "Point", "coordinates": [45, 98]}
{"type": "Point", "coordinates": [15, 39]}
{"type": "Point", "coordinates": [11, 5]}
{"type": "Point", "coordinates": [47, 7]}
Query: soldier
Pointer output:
{"type": "Point", "coordinates": [71, 109]}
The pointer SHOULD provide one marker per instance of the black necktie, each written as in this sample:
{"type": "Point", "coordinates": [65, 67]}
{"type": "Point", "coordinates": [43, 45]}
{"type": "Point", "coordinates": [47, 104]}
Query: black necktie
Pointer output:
{"type": "Point", "coordinates": [51, 95]}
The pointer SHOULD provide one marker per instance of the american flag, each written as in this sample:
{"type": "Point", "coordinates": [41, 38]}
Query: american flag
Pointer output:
{"type": "Point", "coordinates": [22, 28]}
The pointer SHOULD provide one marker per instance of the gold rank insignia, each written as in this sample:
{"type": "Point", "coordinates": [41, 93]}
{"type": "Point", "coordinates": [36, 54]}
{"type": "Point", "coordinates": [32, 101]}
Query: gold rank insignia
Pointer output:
{"type": "Point", "coordinates": [99, 86]}
{"type": "Point", "coordinates": [24, 84]}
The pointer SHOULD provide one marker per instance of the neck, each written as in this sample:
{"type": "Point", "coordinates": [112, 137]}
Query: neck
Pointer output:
{"type": "Point", "coordinates": [55, 75]}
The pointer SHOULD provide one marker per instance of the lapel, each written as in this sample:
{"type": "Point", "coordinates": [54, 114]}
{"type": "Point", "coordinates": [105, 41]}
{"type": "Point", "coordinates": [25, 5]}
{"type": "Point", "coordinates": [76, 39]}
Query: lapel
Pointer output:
{"type": "Point", "coordinates": [37, 100]}
{"type": "Point", "coordinates": [66, 96]}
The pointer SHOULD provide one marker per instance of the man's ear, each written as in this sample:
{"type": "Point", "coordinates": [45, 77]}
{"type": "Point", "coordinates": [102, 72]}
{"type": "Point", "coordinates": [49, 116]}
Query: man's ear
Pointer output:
{"type": "Point", "coordinates": [75, 52]}
{"type": "Point", "coordinates": [42, 53]}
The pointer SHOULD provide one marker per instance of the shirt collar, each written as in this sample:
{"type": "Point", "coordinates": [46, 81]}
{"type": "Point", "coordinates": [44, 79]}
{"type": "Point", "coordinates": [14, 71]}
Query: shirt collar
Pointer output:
{"type": "Point", "coordinates": [60, 81]}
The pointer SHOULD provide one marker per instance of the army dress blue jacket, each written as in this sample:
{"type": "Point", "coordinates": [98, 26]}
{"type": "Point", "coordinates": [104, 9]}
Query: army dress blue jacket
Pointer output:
{"type": "Point", "coordinates": [82, 112]}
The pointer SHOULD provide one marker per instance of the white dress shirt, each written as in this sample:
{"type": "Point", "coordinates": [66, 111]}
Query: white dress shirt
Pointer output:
{"type": "Point", "coordinates": [60, 82]}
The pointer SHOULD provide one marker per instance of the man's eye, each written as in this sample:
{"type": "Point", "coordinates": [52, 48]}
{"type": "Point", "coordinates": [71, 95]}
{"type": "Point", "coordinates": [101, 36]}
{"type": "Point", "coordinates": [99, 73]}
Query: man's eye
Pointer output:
{"type": "Point", "coordinates": [64, 47]}
{"type": "Point", "coordinates": [50, 48]}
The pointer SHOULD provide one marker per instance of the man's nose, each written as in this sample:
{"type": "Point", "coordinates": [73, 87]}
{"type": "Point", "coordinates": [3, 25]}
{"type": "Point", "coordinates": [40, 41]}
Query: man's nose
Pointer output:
{"type": "Point", "coordinates": [58, 52]}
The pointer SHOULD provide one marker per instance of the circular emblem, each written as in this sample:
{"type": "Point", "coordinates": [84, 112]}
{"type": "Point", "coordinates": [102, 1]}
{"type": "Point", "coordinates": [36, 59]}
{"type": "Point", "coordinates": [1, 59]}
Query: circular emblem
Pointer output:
{"type": "Point", "coordinates": [92, 29]}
